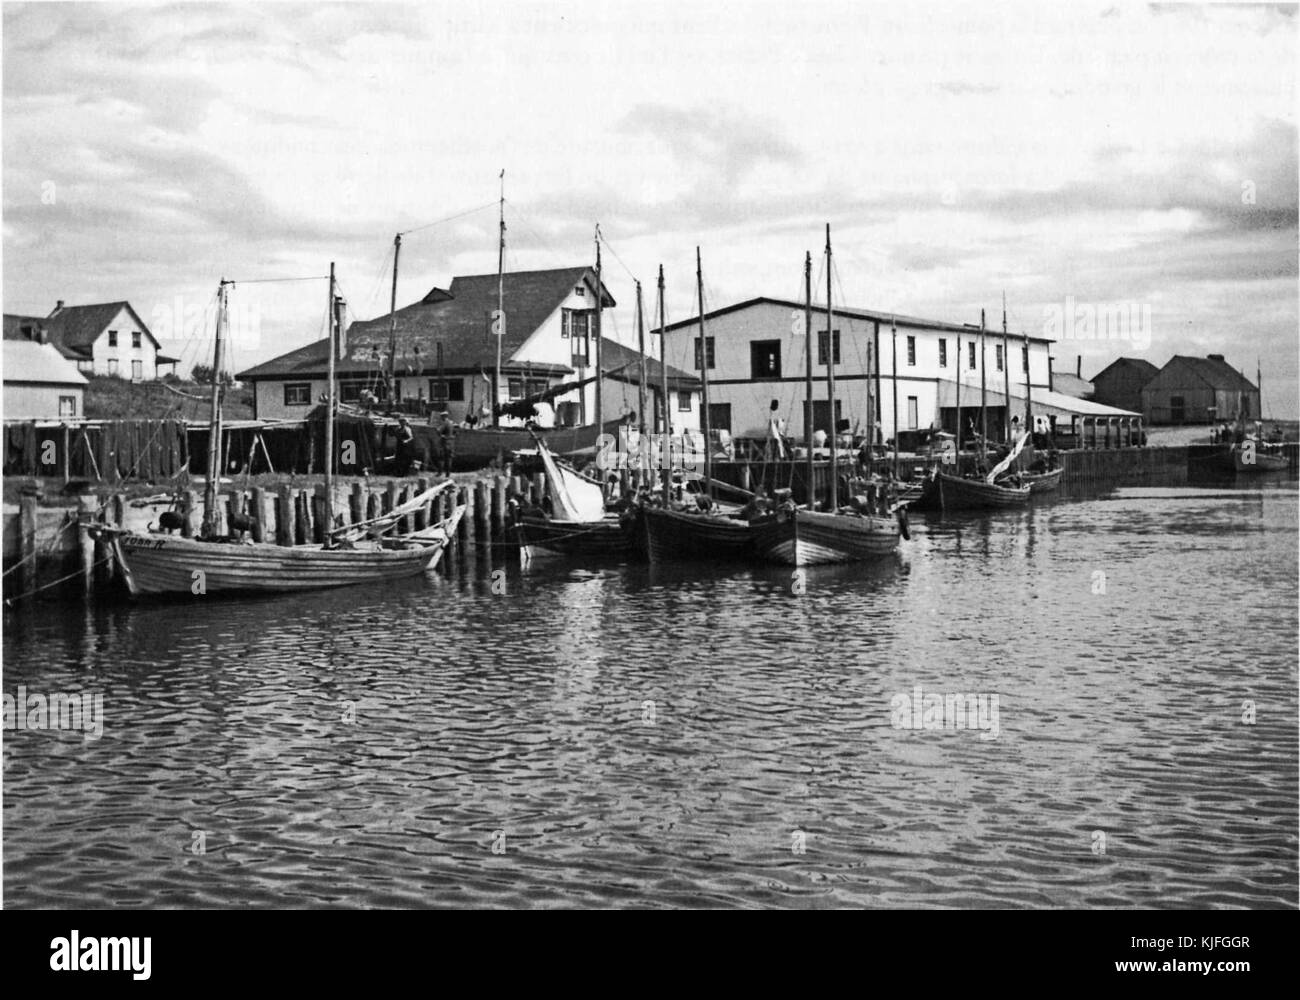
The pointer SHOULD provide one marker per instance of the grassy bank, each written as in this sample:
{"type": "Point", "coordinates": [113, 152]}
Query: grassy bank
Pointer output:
{"type": "Point", "coordinates": [110, 398]}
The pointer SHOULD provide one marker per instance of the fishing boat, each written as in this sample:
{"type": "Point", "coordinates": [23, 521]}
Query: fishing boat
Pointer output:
{"type": "Point", "coordinates": [707, 530]}
{"type": "Point", "coordinates": [800, 537]}
{"type": "Point", "coordinates": [1041, 482]}
{"type": "Point", "coordinates": [158, 563]}
{"type": "Point", "coordinates": [576, 523]}
{"type": "Point", "coordinates": [1252, 457]}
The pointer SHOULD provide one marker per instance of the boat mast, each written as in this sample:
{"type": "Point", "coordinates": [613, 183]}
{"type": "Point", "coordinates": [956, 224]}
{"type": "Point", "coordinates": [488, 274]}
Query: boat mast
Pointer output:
{"type": "Point", "coordinates": [809, 336]}
{"type": "Point", "coordinates": [1029, 411]}
{"type": "Point", "coordinates": [666, 452]}
{"type": "Point", "coordinates": [600, 303]}
{"type": "Point", "coordinates": [214, 423]}
{"type": "Point", "coordinates": [704, 380]}
{"type": "Point", "coordinates": [959, 359]}
{"type": "Point", "coordinates": [329, 413]}
{"type": "Point", "coordinates": [984, 413]}
{"type": "Point", "coordinates": [501, 301]}
{"type": "Point", "coordinates": [640, 346]}
{"type": "Point", "coordinates": [830, 377]}
{"type": "Point", "coordinates": [1006, 369]}
{"type": "Point", "coordinates": [893, 333]}
{"type": "Point", "coordinates": [392, 326]}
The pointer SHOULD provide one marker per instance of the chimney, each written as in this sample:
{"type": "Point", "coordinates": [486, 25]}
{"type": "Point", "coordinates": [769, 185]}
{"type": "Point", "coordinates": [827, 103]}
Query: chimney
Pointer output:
{"type": "Point", "coordinates": [58, 305]}
{"type": "Point", "coordinates": [1050, 386]}
{"type": "Point", "coordinates": [1214, 357]}
{"type": "Point", "coordinates": [1078, 368]}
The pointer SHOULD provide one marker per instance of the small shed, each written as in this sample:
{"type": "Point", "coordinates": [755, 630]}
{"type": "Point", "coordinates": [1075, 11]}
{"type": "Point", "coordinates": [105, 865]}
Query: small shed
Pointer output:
{"type": "Point", "coordinates": [39, 383]}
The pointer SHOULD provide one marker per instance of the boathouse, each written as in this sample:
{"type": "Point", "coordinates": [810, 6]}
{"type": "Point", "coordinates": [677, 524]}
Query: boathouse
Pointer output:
{"type": "Point", "coordinates": [445, 355]}
{"type": "Point", "coordinates": [1121, 382]}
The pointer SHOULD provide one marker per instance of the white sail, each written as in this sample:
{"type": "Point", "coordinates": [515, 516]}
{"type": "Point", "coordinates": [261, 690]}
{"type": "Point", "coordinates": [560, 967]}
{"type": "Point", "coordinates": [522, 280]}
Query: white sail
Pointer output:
{"type": "Point", "coordinates": [1005, 464]}
{"type": "Point", "coordinates": [573, 498]}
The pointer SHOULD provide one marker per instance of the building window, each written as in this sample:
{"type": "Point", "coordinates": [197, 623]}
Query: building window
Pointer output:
{"type": "Point", "coordinates": [999, 358]}
{"type": "Point", "coordinates": [297, 394]}
{"type": "Point", "coordinates": [913, 413]}
{"type": "Point", "coordinates": [515, 388]}
{"type": "Point", "coordinates": [821, 346]}
{"type": "Point", "coordinates": [85, 366]}
{"type": "Point", "coordinates": [112, 366]}
{"type": "Point", "coordinates": [765, 359]}
{"type": "Point", "coordinates": [713, 360]}
{"type": "Point", "coordinates": [943, 353]}
{"type": "Point", "coordinates": [911, 352]}
{"type": "Point", "coordinates": [1024, 359]}
{"type": "Point", "coordinates": [684, 401]}
{"type": "Point", "coordinates": [720, 417]}
{"type": "Point", "coordinates": [351, 390]}
{"type": "Point", "coordinates": [137, 371]}
{"type": "Point", "coordinates": [580, 291]}
{"type": "Point", "coordinates": [971, 363]}
{"type": "Point", "coordinates": [67, 406]}
{"type": "Point", "coordinates": [447, 390]}
{"type": "Point", "coordinates": [535, 386]}
{"type": "Point", "coordinates": [576, 328]}
{"type": "Point", "coordinates": [112, 338]}
{"type": "Point", "coordinates": [135, 338]}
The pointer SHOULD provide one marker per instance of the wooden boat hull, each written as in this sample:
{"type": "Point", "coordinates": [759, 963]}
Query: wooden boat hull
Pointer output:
{"type": "Point", "coordinates": [679, 536]}
{"type": "Point", "coordinates": [1264, 461]}
{"type": "Point", "coordinates": [474, 448]}
{"type": "Point", "coordinates": [813, 538]}
{"type": "Point", "coordinates": [1042, 482]}
{"type": "Point", "coordinates": [975, 494]}
{"type": "Point", "coordinates": [609, 539]}
{"type": "Point", "coordinates": [172, 565]}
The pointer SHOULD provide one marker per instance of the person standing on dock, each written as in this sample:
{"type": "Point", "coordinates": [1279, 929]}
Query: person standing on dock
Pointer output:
{"type": "Point", "coordinates": [405, 446]}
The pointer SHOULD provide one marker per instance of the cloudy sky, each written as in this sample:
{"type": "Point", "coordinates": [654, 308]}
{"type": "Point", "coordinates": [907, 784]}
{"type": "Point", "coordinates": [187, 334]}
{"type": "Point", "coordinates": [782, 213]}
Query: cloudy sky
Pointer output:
{"type": "Point", "coordinates": [1083, 154]}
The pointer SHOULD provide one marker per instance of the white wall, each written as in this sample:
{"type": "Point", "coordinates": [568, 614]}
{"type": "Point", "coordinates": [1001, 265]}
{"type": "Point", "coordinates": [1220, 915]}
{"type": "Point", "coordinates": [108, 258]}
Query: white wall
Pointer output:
{"type": "Point", "coordinates": [731, 379]}
{"type": "Point", "coordinates": [26, 401]}
{"type": "Point", "coordinates": [125, 325]}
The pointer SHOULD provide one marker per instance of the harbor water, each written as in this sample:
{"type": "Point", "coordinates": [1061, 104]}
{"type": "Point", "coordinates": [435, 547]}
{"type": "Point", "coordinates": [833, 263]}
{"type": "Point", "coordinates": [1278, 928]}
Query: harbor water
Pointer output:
{"type": "Point", "coordinates": [695, 735]}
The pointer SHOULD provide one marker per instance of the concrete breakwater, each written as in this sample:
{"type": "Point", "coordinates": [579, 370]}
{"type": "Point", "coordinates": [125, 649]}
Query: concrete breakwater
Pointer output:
{"type": "Point", "coordinates": [48, 550]}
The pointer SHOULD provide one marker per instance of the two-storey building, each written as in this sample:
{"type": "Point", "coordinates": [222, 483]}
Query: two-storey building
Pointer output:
{"type": "Point", "coordinates": [895, 372]}
{"type": "Point", "coordinates": [445, 355]}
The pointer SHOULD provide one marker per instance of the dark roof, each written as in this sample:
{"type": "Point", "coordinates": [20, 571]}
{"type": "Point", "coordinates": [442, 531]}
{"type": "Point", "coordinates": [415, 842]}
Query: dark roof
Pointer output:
{"type": "Point", "coordinates": [1072, 385]}
{"type": "Point", "coordinates": [1142, 366]}
{"type": "Point", "coordinates": [14, 325]}
{"type": "Point", "coordinates": [613, 355]}
{"type": "Point", "coordinates": [74, 329]}
{"type": "Point", "coordinates": [457, 317]}
{"type": "Point", "coordinates": [1214, 371]}
{"type": "Point", "coordinates": [867, 314]}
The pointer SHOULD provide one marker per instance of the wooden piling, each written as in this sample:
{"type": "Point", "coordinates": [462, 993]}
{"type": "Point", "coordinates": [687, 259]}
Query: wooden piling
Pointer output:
{"type": "Point", "coordinates": [422, 515]}
{"type": "Point", "coordinates": [284, 517]}
{"type": "Point", "coordinates": [193, 516]}
{"type": "Point", "coordinates": [27, 506]}
{"type": "Point", "coordinates": [499, 507]}
{"type": "Point", "coordinates": [482, 509]}
{"type": "Point", "coordinates": [87, 511]}
{"type": "Point", "coordinates": [261, 514]}
{"type": "Point", "coordinates": [357, 503]}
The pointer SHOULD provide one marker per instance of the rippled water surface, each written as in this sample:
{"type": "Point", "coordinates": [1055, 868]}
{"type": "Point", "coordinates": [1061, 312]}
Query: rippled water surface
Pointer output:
{"type": "Point", "coordinates": [696, 736]}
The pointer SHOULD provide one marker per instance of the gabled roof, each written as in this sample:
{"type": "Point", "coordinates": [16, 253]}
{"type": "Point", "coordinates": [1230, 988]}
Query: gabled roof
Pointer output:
{"type": "Point", "coordinates": [14, 325]}
{"type": "Point", "coordinates": [457, 317]}
{"type": "Point", "coordinates": [28, 361]}
{"type": "Point", "coordinates": [614, 355]}
{"type": "Point", "coordinates": [74, 329]}
{"type": "Point", "coordinates": [1139, 365]}
{"type": "Point", "coordinates": [884, 318]}
{"type": "Point", "coordinates": [1214, 371]}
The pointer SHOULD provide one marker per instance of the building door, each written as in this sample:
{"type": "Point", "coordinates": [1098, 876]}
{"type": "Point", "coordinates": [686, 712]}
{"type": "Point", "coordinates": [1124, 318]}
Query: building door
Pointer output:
{"type": "Point", "coordinates": [822, 414]}
{"type": "Point", "coordinates": [912, 413]}
{"type": "Point", "coordinates": [720, 417]}
{"type": "Point", "coordinates": [1177, 409]}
